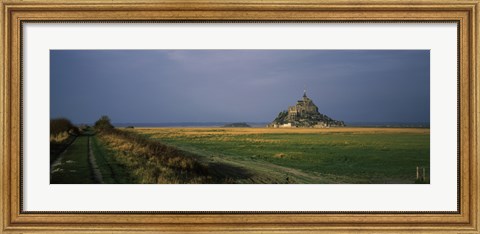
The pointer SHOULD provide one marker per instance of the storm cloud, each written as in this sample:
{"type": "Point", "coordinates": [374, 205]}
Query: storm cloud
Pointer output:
{"type": "Point", "coordinates": [159, 86]}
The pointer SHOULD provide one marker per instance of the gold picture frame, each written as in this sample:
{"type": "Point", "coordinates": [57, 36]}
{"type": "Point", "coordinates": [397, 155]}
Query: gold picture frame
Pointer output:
{"type": "Point", "coordinates": [14, 12]}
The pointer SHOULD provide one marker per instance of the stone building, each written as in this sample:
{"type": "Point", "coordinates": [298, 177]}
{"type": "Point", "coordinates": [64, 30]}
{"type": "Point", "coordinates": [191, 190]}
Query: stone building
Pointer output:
{"type": "Point", "coordinates": [304, 114]}
{"type": "Point", "coordinates": [303, 107]}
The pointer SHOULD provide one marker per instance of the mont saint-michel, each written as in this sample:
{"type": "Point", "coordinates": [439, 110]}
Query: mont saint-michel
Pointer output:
{"type": "Point", "coordinates": [239, 117]}
{"type": "Point", "coordinates": [304, 114]}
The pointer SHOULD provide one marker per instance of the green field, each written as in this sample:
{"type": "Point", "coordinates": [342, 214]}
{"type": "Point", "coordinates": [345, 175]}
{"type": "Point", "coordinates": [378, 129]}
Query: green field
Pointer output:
{"type": "Point", "coordinates": [245, 155]}
{"type": "Point", "coordinates": [336, 155]}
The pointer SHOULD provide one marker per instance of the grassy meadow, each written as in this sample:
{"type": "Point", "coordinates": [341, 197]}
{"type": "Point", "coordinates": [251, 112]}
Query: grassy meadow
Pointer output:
{"type": "Point", "coordinates": [219, 155]}
{"type": "Point", "coordinates": [301, 155]}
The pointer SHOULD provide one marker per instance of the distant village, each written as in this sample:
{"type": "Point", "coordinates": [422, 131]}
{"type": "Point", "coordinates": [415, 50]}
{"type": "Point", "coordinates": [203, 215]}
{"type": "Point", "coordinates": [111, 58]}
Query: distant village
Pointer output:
{"type": "Point", "coordinates": [304, 114]}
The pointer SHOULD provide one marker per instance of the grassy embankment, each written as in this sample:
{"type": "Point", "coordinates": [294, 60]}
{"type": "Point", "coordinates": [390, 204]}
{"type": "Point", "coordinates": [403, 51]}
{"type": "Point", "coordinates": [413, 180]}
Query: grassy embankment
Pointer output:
{"type": "Point", "coordinates": [107, 155]}
{"type": "Point", "coordinates": [112, 170]}
{"type": "Point", "coordinates": [335, 155]}
{"type": "Point", "coordinates": [150, 161]}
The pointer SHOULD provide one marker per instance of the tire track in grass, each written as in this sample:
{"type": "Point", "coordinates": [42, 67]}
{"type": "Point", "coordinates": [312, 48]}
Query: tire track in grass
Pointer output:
{"type": "Point", "coordinates": [73, 167]}
{"type": "Point", "coordinates": [93, 163]}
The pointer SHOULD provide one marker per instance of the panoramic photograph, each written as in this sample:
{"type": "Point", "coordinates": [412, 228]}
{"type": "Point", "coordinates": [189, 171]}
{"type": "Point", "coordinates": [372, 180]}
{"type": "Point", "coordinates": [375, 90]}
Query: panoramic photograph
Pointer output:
{"type": "Point", "coordinates": [239, 116]}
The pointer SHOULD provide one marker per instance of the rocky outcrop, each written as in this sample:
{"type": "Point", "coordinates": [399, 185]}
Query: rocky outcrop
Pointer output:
{"type": "Point", "coordinates": [237, 125]}
{"type": "Point", "coordinates": [304, 114]}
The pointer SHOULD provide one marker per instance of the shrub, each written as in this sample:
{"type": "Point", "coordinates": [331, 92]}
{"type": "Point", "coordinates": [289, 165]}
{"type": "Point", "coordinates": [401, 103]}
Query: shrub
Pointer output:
{"type": "Point", "coordinates": [62, 134]}
{"type": "Point", "coordinates": [61, 125]}
{"type": "Point", "coordinates": [59, 138]}
{"type": "Point", "coordinates": [103, 123]}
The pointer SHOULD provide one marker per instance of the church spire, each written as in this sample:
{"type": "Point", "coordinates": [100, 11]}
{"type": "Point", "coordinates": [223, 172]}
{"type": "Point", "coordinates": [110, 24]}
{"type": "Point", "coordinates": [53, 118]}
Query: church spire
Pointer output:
{"type": "Point", "coordinates": [305, 92]}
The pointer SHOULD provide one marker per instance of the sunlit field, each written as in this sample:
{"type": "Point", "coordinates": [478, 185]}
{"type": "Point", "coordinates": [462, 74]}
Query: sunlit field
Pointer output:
{"type": "Point", "coordinates": [304, 155]}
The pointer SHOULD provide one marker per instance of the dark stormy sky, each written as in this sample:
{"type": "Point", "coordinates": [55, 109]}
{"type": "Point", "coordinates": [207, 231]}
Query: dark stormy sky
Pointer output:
{"type": "Point", "coordinates": [160, 86]}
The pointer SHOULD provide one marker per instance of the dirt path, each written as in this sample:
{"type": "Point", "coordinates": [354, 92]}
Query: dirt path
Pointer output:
{"type": "Point", "coordinates": [266, 173]}
{"type": "Point", "coordinates": [93, 163]}
{"type": "Point", "coordinates": [73, 166]}
{"type": "Point", "coordinates": [262, 172]}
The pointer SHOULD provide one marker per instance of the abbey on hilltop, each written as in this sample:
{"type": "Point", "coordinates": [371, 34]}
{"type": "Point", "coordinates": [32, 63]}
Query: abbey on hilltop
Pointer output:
{"type": "Point", "coordinates": [304, 114]}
